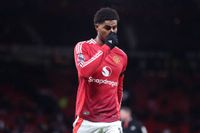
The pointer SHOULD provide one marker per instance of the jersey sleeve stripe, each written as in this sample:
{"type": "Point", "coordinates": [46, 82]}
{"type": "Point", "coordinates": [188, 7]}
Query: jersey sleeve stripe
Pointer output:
{"type": "Point", "coordinates": [79, 48]}
{"type": "Point", "coordinates": [99, 53]}
{"type": "Point", "coordinates": [93, 41]}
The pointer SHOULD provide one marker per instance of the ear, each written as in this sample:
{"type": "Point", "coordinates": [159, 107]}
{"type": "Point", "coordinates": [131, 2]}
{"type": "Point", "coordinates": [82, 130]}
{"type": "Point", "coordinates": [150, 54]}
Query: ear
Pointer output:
{"type": "Point", "coordinates": [96, 26]}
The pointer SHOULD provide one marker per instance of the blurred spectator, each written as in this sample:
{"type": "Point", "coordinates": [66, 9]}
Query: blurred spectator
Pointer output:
{"type": "Point", "coordinates": [130, 124]}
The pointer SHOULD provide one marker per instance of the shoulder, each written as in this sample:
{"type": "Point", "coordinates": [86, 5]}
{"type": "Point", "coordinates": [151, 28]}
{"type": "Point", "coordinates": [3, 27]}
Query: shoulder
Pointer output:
{"type": "Point", "coordinates": [120, 52]}
{"type": "Point", "coordinates": [83, 45]}
{"type": "Point", "coordinates": [86, 42]}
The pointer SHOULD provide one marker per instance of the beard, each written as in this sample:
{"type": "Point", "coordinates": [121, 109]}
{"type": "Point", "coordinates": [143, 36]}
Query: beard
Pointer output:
{"type": "Point", "coordinates": [102, 37]}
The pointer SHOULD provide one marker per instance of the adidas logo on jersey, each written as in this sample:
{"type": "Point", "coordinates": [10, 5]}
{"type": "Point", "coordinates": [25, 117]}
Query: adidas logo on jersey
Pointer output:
{"type": "Point", "coordinates": [110, 41]}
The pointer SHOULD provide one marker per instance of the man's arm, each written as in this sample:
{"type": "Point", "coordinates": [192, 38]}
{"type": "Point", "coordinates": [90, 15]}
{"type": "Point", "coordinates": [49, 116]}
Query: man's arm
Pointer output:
{"type": "Point", "coordinates": [121, 80]}
{"type": "Point", "coordinates": [85, 64]}
{"type": "Point", "coordinates": [120, 88]}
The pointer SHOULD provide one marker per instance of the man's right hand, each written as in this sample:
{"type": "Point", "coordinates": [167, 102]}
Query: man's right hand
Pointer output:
{"type": "Point", "coordinates": [111, 40]}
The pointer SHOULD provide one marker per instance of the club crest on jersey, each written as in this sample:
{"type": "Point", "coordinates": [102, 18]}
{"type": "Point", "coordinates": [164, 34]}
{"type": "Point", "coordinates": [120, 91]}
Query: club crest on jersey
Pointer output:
{"type": "Point", "coordinates": [116, 59]}
{"type": "Point", "coordinates": [106, 71]}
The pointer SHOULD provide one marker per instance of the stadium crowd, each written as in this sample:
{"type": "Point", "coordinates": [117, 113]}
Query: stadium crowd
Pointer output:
{"type": "Point", "coordinates": [42, 99]}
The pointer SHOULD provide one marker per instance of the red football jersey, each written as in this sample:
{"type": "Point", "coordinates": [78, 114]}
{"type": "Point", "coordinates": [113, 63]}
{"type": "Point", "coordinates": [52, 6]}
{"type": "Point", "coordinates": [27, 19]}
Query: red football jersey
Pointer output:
{"type": "Point", "coordinates": [100, 75]}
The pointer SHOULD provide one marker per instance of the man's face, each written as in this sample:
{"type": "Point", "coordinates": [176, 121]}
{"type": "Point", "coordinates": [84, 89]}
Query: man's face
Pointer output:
{"type": "Point", "coordinates": [124, 115]}
{"type": "Point", "coordinates": [105, 28]}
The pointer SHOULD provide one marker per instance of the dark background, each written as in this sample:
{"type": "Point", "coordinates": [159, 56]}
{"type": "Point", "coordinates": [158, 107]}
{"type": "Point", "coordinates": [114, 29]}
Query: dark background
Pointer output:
{"type": "Point", "coordinates": [38, 79]}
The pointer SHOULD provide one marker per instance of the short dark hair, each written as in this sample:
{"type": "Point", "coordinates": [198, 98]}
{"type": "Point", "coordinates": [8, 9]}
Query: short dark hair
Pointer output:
{"type": "Point", "coordinates": [105, 13]}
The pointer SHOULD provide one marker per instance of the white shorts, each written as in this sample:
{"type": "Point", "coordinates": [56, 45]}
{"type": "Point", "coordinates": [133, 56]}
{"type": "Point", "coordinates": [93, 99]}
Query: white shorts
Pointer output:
{"type": "Point", "coordinates": [83, 126]}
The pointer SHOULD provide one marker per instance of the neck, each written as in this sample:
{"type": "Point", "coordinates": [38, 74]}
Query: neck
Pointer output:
{"type": "Point", "coordinates": [99, 41]}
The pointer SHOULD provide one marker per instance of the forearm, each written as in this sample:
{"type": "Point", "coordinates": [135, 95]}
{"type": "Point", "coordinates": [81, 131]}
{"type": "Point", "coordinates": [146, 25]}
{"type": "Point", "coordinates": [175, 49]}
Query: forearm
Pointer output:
{"type": "Point", "coordinates": [120, 89]}
{"type": "Point", "coordinates": [89, 66]}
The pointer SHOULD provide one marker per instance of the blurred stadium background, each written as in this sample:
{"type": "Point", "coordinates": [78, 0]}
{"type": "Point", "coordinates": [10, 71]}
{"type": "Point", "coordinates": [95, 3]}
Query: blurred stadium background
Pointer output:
{"type": "Point", "coordinates": [38, 78]}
